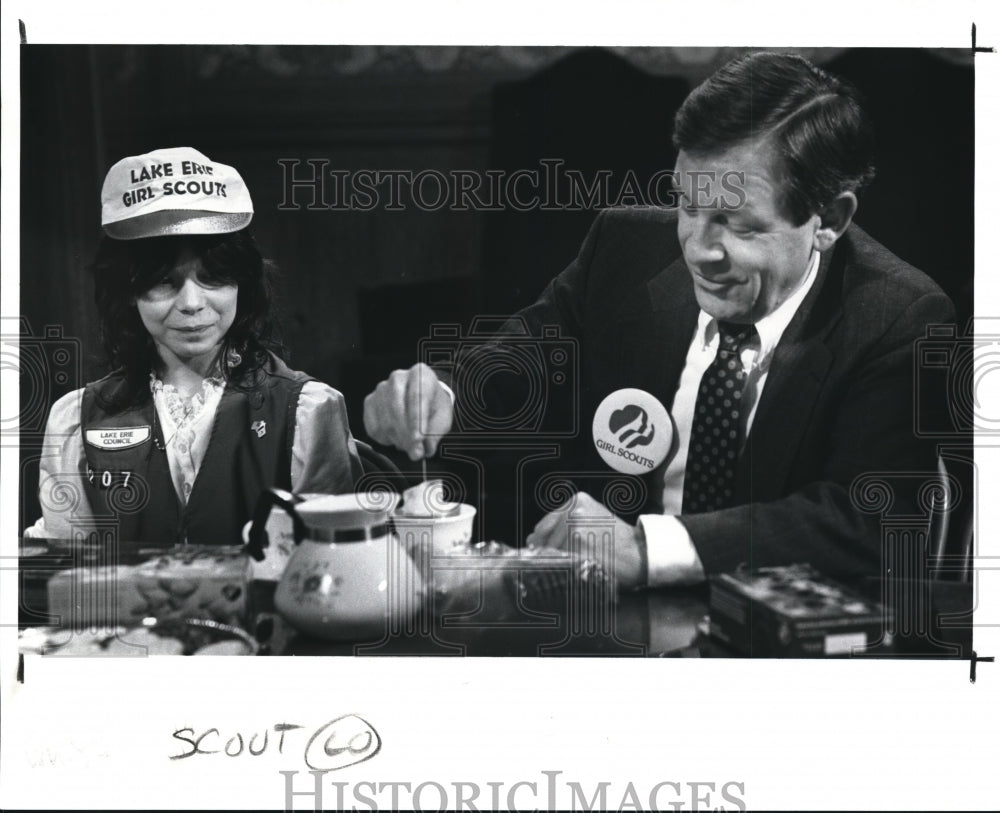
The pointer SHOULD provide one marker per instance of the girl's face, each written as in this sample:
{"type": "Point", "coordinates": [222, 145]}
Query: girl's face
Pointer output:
{"type": "Point", "coordinates": [188, 313]}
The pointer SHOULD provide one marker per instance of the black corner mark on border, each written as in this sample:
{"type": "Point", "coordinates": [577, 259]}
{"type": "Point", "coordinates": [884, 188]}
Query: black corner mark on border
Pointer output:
{"type": "Point", "coordinates": [979, 50]}
{"type": "Point", "coordinates": [20, 667]}
{"type": "Point", "coordinates": [972, 664]}
{"type": "Point", "coordinates": [24, 33]}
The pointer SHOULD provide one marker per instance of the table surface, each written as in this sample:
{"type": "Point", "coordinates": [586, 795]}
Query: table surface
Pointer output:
{"type": "Point", "coordinates": [571, 622]}
{"type": "Point", "coordinates": [470, 607]}
{"type": "Point", "coordinates": [477, 607]}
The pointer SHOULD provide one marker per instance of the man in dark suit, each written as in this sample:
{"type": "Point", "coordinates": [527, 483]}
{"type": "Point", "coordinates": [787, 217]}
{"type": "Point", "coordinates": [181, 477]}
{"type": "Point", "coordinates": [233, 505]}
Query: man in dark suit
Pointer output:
{"type": "Point", "coordinates": [778, 334]}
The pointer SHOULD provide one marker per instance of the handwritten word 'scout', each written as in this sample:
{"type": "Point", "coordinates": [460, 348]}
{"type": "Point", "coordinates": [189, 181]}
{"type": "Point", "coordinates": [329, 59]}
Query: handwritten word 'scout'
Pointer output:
{"type": "Point", "coordinates": [343, 741]}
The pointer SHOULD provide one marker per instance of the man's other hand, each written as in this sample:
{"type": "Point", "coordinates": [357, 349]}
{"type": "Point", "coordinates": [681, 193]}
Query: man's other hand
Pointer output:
{"type": "Point", "coordinates": [580, 524]}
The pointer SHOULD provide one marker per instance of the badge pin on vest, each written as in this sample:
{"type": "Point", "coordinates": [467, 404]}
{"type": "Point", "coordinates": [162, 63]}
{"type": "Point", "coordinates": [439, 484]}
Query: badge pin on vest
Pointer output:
{"type": "Point", "coordinates": [111, 439]}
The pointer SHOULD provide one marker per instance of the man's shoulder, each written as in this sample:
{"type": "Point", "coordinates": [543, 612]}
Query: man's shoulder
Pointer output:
{"type": "Point", "coordinates": [880, 295]}
{"type": "Point", "coordinates": [638, 217]}
{"type": "Point", "coordinates": [874, 274]}
{"type": "Point", "coordinates": [635, 241]}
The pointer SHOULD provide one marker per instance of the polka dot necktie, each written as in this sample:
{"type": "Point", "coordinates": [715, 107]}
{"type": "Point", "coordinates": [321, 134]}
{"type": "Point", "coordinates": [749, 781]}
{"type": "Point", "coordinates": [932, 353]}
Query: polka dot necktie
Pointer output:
{"type": "Point", "coordinates": [714, 446]}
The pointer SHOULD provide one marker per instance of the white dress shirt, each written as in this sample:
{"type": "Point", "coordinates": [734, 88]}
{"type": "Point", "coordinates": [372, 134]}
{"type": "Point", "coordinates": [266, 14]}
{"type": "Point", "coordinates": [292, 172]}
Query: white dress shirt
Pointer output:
{"type": "Point", "coordinates": [671, 554]}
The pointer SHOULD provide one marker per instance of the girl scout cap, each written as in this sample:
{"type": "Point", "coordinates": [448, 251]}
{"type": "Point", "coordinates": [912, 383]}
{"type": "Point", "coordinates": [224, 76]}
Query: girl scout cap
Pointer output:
{"type": "Point", "coordinates": [173, 191]}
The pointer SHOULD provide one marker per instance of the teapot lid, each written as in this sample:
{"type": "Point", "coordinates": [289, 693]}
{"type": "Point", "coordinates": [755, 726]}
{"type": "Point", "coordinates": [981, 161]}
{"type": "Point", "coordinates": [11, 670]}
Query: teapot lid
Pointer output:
{"type": "Point", "coordinates": [346, 511]}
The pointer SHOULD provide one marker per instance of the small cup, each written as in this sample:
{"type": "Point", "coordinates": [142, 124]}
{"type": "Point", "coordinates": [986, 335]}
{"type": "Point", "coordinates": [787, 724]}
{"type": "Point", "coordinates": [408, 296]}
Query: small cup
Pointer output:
{"type": "Point", "coordinates": [443, 535]}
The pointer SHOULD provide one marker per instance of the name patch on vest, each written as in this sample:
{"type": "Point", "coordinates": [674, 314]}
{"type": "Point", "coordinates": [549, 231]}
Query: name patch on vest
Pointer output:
{"type": "Point", "coordinates": [111, 439]}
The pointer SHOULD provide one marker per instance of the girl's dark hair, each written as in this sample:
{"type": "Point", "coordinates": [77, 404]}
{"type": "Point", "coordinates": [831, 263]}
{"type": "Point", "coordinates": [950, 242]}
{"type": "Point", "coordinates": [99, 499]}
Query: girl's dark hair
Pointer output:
{"type": "Point", "coordinates": [125, 269]}
{"type": "Point", "coordinates": [815, 121]}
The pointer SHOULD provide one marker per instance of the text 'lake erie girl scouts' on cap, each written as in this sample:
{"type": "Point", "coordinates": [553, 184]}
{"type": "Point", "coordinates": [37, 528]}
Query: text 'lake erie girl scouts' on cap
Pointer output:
{"type": "Point", "coordinates": [173, 191]}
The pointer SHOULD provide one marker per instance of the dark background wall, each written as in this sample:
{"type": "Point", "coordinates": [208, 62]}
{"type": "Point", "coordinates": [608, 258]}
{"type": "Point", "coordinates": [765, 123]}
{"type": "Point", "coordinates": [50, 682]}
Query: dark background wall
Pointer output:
{"type": "Point", "coordinates": [360, 288]}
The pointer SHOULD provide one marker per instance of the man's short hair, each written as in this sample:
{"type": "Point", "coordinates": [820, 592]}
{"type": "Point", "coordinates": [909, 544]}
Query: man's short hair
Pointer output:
{"type": "Point", "coordinates": [814, 121]}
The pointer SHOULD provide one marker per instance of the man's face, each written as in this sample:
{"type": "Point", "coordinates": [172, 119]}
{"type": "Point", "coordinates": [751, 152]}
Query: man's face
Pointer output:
{"type": "Point", "coordinates": [744, 255]}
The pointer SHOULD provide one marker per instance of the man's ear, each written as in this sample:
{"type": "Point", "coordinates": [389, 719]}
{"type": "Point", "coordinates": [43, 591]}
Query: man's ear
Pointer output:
{"type": "Point", "coordinates": [834, 219]}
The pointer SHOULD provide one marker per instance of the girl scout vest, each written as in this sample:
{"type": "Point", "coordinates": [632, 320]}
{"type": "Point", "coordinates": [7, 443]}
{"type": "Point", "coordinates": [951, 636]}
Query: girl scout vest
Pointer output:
{"type": "Point", "coordinates": [128, 483]}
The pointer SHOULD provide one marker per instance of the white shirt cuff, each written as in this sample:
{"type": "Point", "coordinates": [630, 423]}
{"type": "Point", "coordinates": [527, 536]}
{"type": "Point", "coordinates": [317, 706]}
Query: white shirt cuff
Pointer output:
{"type": "Point", "coordinates": [670, 553]}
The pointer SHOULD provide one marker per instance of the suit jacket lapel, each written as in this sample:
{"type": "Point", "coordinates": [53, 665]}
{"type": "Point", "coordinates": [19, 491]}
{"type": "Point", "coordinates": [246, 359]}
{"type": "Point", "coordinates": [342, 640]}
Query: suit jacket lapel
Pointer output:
{"type": "Point", "coordinates": [651, 342]}
{"type": "Point", "coordinates": [646, 344]}
{"type": "Point", "coordinates": [675, 314]}
{"type": "Point", "coordinates": [797, 371]}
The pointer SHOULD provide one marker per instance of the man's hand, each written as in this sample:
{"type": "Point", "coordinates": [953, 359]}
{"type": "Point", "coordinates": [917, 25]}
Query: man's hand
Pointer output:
{"type": "Point", "coordinates": [410, 410]}
{"type": "Point", "coordinates": [580, 524]}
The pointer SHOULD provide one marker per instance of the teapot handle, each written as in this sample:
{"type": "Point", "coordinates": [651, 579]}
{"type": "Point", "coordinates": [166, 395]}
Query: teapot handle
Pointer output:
{"type": "Point", "coordinates": [257, 539]}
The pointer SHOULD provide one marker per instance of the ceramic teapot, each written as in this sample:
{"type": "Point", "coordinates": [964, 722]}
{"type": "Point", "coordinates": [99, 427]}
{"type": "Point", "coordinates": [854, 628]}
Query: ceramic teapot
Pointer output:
{"type": "Point", "coordinates": [348, 577]}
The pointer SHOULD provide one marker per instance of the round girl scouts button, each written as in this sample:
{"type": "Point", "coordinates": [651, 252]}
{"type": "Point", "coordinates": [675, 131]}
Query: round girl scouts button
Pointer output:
{"type": "Point", "coordinates": [633, 431]}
